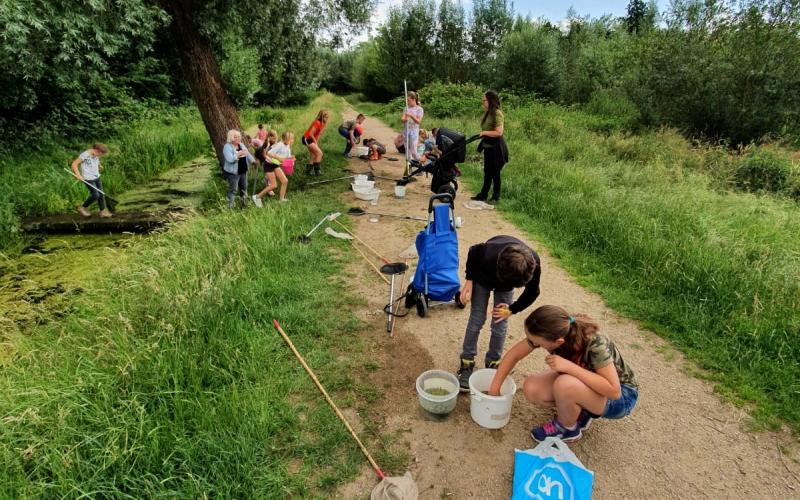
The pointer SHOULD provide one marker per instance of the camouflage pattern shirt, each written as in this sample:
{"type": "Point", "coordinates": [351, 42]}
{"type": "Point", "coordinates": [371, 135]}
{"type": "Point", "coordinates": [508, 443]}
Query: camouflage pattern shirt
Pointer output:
{"type": "Point", "coordinates": [600, 352]}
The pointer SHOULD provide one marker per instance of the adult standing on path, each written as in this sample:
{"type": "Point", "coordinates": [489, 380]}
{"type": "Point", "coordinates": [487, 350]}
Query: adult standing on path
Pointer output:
{"type": "Point", "coordinates": [236, 160]}
{"type": "Point", "coordinates": [89, 162]}
{"type": "Point", "coordinates": [493, 146]}
{"type": "Point", "coordinates": [311, 141]}
{"type": "Point", "coordinates": [411, 118]}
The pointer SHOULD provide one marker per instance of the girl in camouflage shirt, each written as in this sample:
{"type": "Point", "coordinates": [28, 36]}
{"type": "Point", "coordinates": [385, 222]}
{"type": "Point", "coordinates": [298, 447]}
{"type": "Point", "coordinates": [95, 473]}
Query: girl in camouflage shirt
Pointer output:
{"type": "Point", "coordinates": [587, 377]}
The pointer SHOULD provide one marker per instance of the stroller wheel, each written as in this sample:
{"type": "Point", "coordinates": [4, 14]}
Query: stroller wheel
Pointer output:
{"type": "Point", "coordinates": [460, 304]}
{"type": "Point", "coordinates": [422, 307]}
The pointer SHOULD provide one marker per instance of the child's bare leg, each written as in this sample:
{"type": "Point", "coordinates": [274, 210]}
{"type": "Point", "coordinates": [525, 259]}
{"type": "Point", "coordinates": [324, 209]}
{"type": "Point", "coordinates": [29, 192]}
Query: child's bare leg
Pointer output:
{"type": "Point", "coordinates": [538, 388]}
{"type": "Point", "coordinates": [284, 181]}
{"type": "Point", "coordinates": [271, 184]}
{"type": "Point", "coordinates": [316, 152]}
{"type": "Point", "coordinates": [571, 395]}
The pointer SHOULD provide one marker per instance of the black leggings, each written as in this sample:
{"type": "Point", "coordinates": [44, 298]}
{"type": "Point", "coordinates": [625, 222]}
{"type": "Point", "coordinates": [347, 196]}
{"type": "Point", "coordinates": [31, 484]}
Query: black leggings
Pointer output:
{"type": "Point", "coordinates": [491, 174]}
{"type": "Point", "coordinates": [94, 195]}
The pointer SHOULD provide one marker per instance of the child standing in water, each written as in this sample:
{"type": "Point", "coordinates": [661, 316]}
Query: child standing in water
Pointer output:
{"type": "Point", "coordinates": [90, 167]}
{"type": "Point", "coordinates": [587, 377]}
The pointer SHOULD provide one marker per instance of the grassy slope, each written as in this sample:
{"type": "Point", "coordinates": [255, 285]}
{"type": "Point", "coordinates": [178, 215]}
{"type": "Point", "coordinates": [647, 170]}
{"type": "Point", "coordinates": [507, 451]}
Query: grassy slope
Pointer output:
{"type": "Point", "coordinates": [168, 378]}
{"type": "Point", "coordinates": [634, 218]}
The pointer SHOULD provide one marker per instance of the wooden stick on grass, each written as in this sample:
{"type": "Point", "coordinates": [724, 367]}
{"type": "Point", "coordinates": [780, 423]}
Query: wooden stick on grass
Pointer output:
{"type": "Point", "coordinates": [310, 372]}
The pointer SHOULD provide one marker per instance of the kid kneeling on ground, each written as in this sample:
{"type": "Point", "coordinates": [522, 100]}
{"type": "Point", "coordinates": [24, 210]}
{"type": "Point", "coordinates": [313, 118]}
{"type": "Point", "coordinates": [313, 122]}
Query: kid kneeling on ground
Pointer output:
{"type": "Point", "coordinates": [499, 265]}
{"type": "Point", "coordinates": [587, 377]}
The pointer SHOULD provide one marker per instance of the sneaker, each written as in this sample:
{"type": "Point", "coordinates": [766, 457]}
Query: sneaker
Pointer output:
{"type": "Point", "coordinates": [284, 200]}
{"type": "Point", "coordinates": [105, 213]}
{"type": "Point", "coordinates": [257, 201]}
{"type": "Point", "coordinates": [82, 210]}
{"type": "Point", "coordinates": [493, 364]}
{"type": "Point", "coordinates": [585, 419]}
{"type": "Point", "coordinates": [478, 197]}
{"type": "Point", "coordinates": [555, 429]}
{"type": "Point", "coordinates": [464, 373]}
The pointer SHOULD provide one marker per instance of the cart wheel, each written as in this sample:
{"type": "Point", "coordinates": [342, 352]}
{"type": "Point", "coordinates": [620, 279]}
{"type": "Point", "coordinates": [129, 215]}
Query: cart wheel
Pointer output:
{"type": "Point", "coordinates": [422, 307]}
{"type": "Point", "coordinates": [460, 304]}
{"type": "Point", "coordinates": [411, 297]}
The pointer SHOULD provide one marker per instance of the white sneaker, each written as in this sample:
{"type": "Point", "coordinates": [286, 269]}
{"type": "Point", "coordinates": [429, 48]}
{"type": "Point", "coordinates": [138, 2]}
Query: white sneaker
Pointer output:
{"type": "Point", "coordinates": [284, 199]}
{"type": "Point", "coordinates": [257, 201]}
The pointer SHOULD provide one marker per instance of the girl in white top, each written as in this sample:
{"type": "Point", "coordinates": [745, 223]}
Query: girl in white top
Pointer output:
{"type": "Point", "coordinates": [275, 157]}
{"type": "Point", "coordinates": [89, 162]}
{"type": "Point", "coordinates": [411, 118]}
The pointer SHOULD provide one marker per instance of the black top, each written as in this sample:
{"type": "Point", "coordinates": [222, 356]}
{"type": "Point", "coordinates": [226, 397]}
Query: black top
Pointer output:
{"type": "Point", "coordinates": [242, 162]}
{"type": "Point", "coordinates": [482, 267]}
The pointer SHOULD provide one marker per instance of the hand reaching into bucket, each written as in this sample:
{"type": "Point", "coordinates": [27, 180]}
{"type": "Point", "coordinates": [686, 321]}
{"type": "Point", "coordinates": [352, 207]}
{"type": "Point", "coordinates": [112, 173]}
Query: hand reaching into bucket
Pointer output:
{"type": "Point", "coordinates": [501, 312]}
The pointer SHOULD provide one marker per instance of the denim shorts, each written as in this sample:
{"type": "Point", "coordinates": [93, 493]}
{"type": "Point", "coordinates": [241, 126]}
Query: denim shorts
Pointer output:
{"type": "Point", "coordinates": [622, 407]}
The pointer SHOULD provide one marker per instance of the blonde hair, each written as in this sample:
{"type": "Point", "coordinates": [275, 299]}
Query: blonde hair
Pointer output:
{"type": "Point", "coordinates": [232, 133]}
{"type": "Point", "coordinates": [414, 96]}
{"type": "Point", "coordinates": [272, 135]}
{"type": "Point", "coordinates": [323, 115]}
{"type": "Point", "coordinates": [423, 134]}
{"type": "Point", "coordinates": [287, 136]}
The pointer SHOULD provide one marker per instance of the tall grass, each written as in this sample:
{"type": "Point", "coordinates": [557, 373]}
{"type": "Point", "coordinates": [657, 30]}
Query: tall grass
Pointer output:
{"type": "Point", "coordinates": [169, 380]}
{"type": "Point", "coordinates": [34, 182]}
{"type": "Point", "coordinates": [637, 218]}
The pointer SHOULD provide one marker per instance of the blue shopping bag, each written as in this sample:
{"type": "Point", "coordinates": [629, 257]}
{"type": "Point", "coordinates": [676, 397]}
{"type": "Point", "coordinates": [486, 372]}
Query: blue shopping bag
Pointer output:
{"type": "Point", "coordinates": [550, 472]}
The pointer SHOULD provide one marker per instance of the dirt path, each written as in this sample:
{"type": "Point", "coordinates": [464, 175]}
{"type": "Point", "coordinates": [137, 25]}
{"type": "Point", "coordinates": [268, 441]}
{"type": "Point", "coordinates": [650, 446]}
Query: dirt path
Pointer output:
{"type": "Point", "coordinates": [681, 441]}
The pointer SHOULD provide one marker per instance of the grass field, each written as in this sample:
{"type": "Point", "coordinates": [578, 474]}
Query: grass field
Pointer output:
{"type": "Point", "coordinates": [640, 219]}
{"type": "Point", "coordinates": [168, 379]}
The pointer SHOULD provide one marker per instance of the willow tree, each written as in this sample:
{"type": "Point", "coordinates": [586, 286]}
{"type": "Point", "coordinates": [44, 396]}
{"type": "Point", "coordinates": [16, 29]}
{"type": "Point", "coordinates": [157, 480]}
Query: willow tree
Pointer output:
{"type": "Point", "coordinates": [54, 50]}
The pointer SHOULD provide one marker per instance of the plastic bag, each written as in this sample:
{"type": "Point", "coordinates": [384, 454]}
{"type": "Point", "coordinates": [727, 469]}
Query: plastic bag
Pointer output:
{"type": "Point", "coordinates": [550, 471]}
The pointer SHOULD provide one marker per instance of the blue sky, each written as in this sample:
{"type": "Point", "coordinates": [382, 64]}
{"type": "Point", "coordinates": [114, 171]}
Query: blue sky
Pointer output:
{"type": "Point", "coordinates": [556, 11]}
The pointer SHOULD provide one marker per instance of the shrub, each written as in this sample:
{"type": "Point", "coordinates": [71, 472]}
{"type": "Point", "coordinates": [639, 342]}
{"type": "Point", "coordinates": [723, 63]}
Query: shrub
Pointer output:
{"type": "Point", "coordinates": [613, 105]}
{"type": "Point", "coordinates": [762, 171]}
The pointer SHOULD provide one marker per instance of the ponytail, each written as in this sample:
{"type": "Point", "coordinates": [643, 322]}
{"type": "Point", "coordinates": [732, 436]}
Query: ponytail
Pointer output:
{"type": "Point", "coordinates": [553, 323]}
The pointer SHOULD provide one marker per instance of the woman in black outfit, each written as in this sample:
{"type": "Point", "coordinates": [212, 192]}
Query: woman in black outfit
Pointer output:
{"type": "Point", "coordinates": [493, 146]}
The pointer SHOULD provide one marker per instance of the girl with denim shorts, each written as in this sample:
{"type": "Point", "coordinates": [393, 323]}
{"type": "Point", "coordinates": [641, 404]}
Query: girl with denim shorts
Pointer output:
{"type": "Point", "coordinates": [587, 377]}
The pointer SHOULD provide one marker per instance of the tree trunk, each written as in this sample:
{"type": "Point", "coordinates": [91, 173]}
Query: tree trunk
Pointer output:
{"type": "Point", "coordinates": [202, 71]}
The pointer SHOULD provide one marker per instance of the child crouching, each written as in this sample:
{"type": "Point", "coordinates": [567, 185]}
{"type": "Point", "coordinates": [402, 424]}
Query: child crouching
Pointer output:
{"type": "Point", "coordinates": [587, 377]}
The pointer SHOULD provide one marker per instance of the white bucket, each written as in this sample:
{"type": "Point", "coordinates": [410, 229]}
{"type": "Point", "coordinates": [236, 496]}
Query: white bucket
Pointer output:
{"type": "Point", "coordinates": [400, 191]}
{"type": "Point", "coordinates": [361, 177]}
{"type": "Point", "coordinates": [442, 380]}
{"type": "Point", "coordinates": [362, 150]}
{"type": "Point", "coordinates": [491, 412]}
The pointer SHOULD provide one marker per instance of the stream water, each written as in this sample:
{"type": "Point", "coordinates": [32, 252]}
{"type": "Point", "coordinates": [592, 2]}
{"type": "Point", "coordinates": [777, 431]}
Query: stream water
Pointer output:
{"type": "Point", "coordinates": [37, 285]}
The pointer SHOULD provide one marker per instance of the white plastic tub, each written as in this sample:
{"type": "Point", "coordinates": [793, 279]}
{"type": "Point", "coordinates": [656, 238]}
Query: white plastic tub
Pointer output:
{"type": "Point", "coordinates": [360, 177]}
{"type": "Point", "coordinates": [362, 150]}
{"type": "Point", "coordinates": [400, 191]}
{"type": "Point", "coordinates": [370, 194]}
{"type": "Point", "coordinates": [442, 380]}
{"type": "Point", "coordinates": [491, 412]}
{"type": "Point", "coordinates": [362, 185]}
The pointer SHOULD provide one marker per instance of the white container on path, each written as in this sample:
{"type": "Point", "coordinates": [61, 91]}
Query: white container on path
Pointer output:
{"type": "Point", "coordinates": [400, 191]}
{"type": "Point", "coordinates": [360, 177]}
{"type": "Point", "coordinates": [491, 412]}
{"type": "Point", "coordinates": [439, 381]}
{"type": "Point", "coordinates": [368, 195]}
{"type": "Point", "coordinates": [362, 150]}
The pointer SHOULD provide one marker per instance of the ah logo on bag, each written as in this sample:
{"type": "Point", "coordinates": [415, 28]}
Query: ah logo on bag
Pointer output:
{"type": "Point", "coordinates": [549, 482]}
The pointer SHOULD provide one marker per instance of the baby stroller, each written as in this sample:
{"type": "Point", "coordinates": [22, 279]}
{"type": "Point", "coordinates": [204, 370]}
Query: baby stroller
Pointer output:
{"type": "Point", "coordinates": [436, 277]}
{"type": "Point", "coordinates": [453, 147]}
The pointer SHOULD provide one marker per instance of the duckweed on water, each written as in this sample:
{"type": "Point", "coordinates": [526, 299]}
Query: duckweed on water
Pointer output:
{"type": "Point", "coordinates": [437, 391]}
